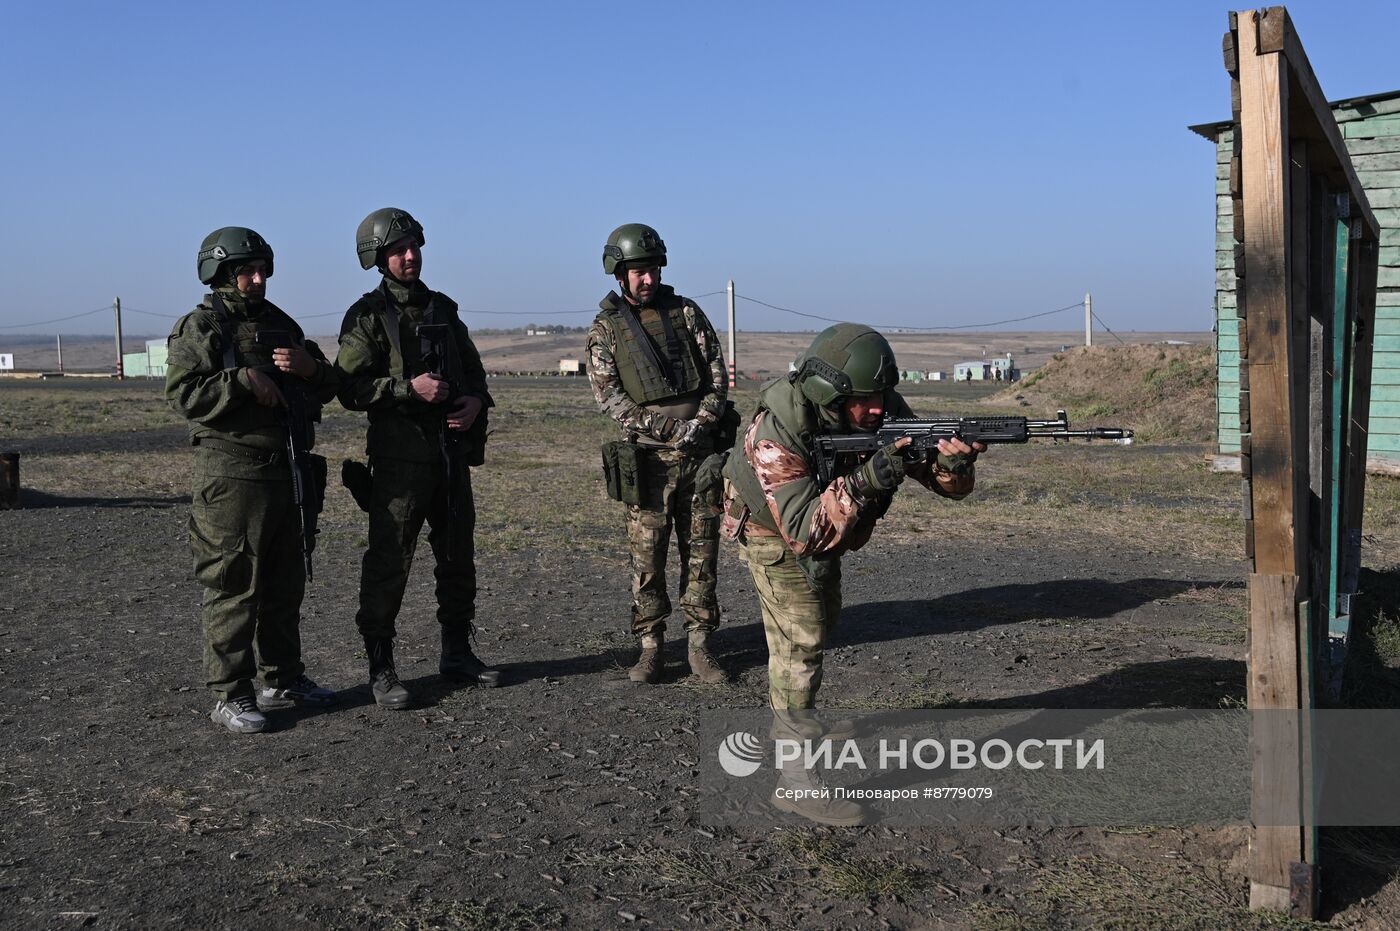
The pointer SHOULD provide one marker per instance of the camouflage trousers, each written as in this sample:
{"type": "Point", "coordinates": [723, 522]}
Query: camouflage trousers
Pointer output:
{"type": "Point", "coordinates": [672, 505]}
{"type": "Point", "coordinates": [245, 536]}
{"type": "Point", "coordinates": [404, 495]}
{"type": "Point", "coordinates": [797, 620]}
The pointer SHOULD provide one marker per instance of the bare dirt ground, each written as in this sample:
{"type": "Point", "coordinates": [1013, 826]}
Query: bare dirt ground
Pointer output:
{"type": "Point", "coordinates": [1075, 577]}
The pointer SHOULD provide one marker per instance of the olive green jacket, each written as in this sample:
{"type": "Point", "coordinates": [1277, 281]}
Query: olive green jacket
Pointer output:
{"type": "Point", "coordinates": [401, 425]}
{"type": "Point", "coordinates": [218, 399]}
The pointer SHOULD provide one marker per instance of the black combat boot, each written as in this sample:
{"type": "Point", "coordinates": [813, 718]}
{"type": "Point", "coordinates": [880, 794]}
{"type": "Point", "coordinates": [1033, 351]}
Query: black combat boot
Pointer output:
{"type": "Point", "coordinates": [383, 680]}
{"type": "Point", "coordinates": [460, 664]}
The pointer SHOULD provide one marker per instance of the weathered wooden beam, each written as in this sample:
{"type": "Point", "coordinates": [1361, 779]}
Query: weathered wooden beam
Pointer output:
{"type": "Point", "coordinates": [1275, 34]}
{"type": "Point", "coordinates": [1267, 206]}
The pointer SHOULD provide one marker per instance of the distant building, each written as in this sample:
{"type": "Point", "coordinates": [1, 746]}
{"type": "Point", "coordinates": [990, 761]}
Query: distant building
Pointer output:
{"type": "Point", "coordinates": [148, 364]}
{"type": "Point", "coordinates": [911, 375]}
{"type": "Point", "coordinates": [570, 367]}
{"type": "Point", "coordinates": [937, 376]}
{"type": "Point", "coordinates": [987, 370]}
{"type": "Point", "coordinates": [1370, 127]}
{"type": "Point", "coordinates": [7, 362]}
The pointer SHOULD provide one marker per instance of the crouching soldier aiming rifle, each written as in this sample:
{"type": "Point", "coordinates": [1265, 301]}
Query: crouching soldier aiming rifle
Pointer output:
{"type": "Point", "coordinates": [794, 517]}
{"type": "Point", "coordinates": [256, 491]}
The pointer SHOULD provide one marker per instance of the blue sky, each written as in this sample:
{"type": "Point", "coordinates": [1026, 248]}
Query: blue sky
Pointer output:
{"type": "Point", "coordinates": [918, 164]}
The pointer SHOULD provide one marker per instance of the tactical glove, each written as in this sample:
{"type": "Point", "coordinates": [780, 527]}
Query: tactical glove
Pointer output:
{"type": "Point", "coordinates": [687, 433]}
{"type": "Point", "coordinates": [956, 464]}
{"type": "Point", "coordinates": [881, 472]}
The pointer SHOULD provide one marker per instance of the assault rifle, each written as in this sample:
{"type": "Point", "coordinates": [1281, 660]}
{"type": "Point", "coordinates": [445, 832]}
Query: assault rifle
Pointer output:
{"type": "Point", "coordinates": [297, 418]}
{"type": "Point", "coordinates": [438, 358]}
{"type": "Point", "coordinates": [925, 434]}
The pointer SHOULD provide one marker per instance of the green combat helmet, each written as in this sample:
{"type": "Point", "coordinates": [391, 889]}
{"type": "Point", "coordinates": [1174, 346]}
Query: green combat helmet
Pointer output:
{"type": "Point", "coordinates": [231, 245]}
{"type": "Point", "coordinates": [845, 360]}
{"type": "Point", "coordinates": [633, 244]}
{"type": "Point", "coordinates": [384, 227]}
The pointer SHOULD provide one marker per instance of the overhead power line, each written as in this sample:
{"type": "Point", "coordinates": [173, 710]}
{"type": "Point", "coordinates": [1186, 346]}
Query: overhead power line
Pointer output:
{"type": "Point", "coordinates": [898, 326]}
{"type": "Point", "coordinates": [86, 313]}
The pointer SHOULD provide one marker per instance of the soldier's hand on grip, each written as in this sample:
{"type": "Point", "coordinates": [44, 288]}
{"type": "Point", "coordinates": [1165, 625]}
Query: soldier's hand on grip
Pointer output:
{"type": "Point", "coordinates": [881, 472]}
{"type": "Point", "coordinates": [464, 412]}
{"type": "Point", "coordinates": [430, 388]}
{"type": "Point", "coordinates": [265, 389]}
{"type": "Point", "coordinates": [294, 360]}
{"type": "Point", "coordinates": [686, 434]}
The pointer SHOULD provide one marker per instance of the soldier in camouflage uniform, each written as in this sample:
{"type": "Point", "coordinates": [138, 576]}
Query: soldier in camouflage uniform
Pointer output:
{"type": "Point", "coordinates": [655, 365]}
{"type": "Point", "coordinates": [417, 471]}
{"type": "Point", "coordinates": [792, 532]}
{"type": "Point", "coordinates": [245, 530]}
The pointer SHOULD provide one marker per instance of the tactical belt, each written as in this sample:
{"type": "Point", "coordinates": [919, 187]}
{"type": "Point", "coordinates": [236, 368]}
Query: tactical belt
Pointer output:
{"type": "Point", "coordinates": [253, 453]}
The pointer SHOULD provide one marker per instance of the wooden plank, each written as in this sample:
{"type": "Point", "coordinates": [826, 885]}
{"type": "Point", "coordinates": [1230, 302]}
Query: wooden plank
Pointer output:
{"type": "Point", "coordinates": [1226, 300]}
{"type": "Point", "coordinates": [1365, 111]}
{"type": "Point", "coordinates": [1373, 129]}
{"type": "Point", "coordinates": [1224, 258]}
{"type": "Point", "coordinates": [1381, 161]}
{"type": "Point", "coordinates": [1387, 297]}
{"type": "Point", "coordinates": [1384, 394]}
{"type": "Point", "coordinates": [1388, 277]}
{"type": "Point", "coordinates": [1383, 426]}
{"type": "Point", "coordinates": [1384, 443]}
{"type": "Point", "coordinates": [1390, 235]}
{"type": "Point", "coordinates": [1227, 342]}
{"type": "Point", "coordinates": [1273, 684]}
{"type": "Point", "coordinates": [1374, 179]}
{"type": "Point", "coordinates": [1387, 343]}
{"type": "Point", "coordinates": [1385, 197]}
{"type": "Point", "coordinates": [1384, 365]}
{"type": "Point", "coordinates": [1264, 85]}
{"type": "Point", "coordinates": [1225, 278]}
{"type": "Point", "coordinates": [1388, 324]}
{"type": "Point", "coordinates": [1390, 255]}
{"type": "Point", "coordinates": [1385, 408]}
{"type": "Point", "coordinates": [1388, 218]}
{"type": "Point", "coordinates": [1373, 146]}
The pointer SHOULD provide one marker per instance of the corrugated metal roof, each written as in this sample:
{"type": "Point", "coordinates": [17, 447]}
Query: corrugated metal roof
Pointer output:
{"type": "Point", "coordinates": [1212, 131]}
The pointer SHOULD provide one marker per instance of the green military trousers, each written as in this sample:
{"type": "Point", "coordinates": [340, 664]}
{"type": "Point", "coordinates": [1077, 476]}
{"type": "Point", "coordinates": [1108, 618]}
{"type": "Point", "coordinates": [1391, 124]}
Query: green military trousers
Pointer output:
{"type": "Point", "coordinates": [670, 504]}
{"type": "Point", "coordinates": [245, 535]}
{"type": "Point", "coordinates": [404, 495]}
{"type": "Point", "coordinates": [798, 617]}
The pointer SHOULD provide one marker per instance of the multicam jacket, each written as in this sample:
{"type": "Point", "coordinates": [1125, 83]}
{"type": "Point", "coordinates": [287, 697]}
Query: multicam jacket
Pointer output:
{"type": "Point", "coordinates": [651, 423]}
{"type": "Point", "coordinates": [772, 487]}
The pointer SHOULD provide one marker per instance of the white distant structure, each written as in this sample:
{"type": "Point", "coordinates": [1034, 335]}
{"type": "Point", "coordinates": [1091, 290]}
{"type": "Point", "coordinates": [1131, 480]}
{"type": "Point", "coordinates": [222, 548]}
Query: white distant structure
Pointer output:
{"type": "Point", "coordinates": [7, 361]}
{"type": "Point", "coordinates": [570, 367]}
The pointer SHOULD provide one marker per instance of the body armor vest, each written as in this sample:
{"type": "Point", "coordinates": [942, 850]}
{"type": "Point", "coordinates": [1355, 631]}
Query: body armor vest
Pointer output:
{"type": "Point", "coordinates": [644, 382]}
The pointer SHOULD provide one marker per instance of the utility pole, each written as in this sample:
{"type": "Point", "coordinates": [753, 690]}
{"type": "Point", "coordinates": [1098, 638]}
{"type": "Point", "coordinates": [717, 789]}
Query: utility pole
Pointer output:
{"type": "Point", "coordinates": [60, 354]}
{"type": "Point", "coordinates": [733, 363]}
{"type": "Point", "coordinates": [1088, 319]}
{"type": "Point", "coordinates": [117, 306]}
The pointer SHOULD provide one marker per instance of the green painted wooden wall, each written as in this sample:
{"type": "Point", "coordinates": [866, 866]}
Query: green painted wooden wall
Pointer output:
{"type": "Point", "coordinates": [1372, 134]}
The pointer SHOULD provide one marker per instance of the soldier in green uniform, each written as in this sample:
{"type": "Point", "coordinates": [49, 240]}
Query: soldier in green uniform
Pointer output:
{"type": "Point", "coordinates": [245, 530]}
{"type": "Point", "coordinates": [792, 532]}
{"type": "Point", "coordinates": [406, 358]}
{"type": "Point", "coordinates": [655, 366]}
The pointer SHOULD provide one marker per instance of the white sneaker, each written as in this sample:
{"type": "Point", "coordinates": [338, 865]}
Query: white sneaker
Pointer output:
{"type": "Point", "coordinates": [240, 715]}
{"type": "Point", "coordinates": [301, 692]}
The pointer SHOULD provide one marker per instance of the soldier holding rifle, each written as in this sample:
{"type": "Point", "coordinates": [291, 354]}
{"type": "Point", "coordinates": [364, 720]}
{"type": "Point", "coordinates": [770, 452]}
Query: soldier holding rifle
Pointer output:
{"type": "Point", "coordinates": [241, 372]}
{"type": "Point", "coordinates": [407, 359]}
